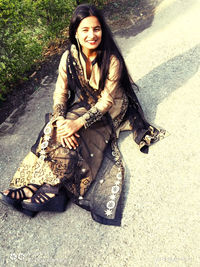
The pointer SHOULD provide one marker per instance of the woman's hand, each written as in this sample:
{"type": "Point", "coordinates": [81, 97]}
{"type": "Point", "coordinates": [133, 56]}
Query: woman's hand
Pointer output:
{"type": "Point", "coordinates": [67, 132]}
{"type": "Point", "coordinates": [66, 128]}
{"type": "Point", "coordinates": [70, 142]}
{"type": "Point", "coordinates": [59, 122]}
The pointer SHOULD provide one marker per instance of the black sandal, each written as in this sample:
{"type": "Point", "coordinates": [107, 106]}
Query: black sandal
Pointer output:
{"type": "Point", "coordinates": [40, 201]}
{"type": "Point", "coordinates": [14, 201]}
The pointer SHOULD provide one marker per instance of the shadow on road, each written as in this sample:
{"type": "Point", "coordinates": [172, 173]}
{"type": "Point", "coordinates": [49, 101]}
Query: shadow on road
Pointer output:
{"type": "Point", "coordinates": [158, 85]}
{"type": "Point", "coordinates": [166, 78]}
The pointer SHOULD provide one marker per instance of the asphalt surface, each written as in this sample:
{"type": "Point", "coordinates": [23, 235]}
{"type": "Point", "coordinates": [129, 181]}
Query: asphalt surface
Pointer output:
{"type": "Point", "coordinates": [161, 220]}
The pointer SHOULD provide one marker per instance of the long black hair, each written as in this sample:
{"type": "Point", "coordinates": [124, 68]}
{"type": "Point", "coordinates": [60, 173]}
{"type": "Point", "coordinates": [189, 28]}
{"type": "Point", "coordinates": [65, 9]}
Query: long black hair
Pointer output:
{"type": "Point", "coordinates": [105, 50]}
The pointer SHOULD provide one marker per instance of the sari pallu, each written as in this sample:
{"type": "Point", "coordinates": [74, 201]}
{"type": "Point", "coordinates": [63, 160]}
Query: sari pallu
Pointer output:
{"type": "Point", "coordinates": [93, 174]}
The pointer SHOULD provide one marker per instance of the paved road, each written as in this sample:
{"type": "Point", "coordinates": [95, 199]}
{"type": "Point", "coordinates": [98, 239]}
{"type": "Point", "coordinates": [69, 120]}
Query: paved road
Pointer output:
{"type": "Point", "coordinates": [161, 221]}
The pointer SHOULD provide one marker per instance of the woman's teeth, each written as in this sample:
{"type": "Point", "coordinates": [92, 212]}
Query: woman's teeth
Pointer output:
{"type": "Point", "coordinates": [91, 42]}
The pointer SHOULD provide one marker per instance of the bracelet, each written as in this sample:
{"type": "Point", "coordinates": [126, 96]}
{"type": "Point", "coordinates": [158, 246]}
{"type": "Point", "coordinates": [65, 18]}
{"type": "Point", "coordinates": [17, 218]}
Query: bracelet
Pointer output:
{"type": "Point", "coordinates": [91, 116]}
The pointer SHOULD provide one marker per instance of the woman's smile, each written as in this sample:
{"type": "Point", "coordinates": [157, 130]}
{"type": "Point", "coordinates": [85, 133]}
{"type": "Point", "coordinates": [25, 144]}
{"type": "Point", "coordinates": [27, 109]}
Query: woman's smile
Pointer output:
{"type": "Point", "coordinates": [92, 42]}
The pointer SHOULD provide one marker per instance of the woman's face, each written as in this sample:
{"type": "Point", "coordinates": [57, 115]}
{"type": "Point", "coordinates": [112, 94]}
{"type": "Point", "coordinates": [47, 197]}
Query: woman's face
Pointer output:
{"type": "Point", "coordinates": [89, 34]}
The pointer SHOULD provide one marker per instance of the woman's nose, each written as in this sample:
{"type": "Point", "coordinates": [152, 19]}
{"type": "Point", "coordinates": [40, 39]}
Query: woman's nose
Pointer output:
{"type": "Point", "coordinates": [91, 33]}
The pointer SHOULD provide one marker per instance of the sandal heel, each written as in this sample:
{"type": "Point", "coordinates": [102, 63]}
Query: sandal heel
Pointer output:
{"type": "Point", "coordinates": [16, 205]}
{"type": "Point", "coordinates": [57, 204]}
{"type": "Point", "coordinates": [41, 201]}
{"type": "Point", "coordinates": [29, 213]}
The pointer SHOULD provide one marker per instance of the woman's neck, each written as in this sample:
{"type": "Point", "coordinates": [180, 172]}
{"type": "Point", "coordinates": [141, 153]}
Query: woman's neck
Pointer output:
{"type": "Point", "coordinates": [90, 54]}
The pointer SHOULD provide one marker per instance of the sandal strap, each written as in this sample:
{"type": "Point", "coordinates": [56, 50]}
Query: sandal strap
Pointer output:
{"type": "Point", "coordinates": [31, 189]}
{"type": "Point", "coordinates": [37, 199]}
{"type": "Point", "coordinates": [21, 193]}
{"type": "Point", "coordinates": [41, 194]}
{"type": "Point", "coordinates": [10, 193]}
{"type": "Point", "coordinates": [46, 188]}
{"type": "Point", "coordinates": [17, 192]}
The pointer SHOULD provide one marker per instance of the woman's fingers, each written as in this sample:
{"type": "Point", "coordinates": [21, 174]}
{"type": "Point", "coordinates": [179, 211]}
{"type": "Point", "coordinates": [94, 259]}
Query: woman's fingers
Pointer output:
{"type": "Point", "coordinates": [71, 142]}
{"type": "Point", "coordinates": [77, 135]}
{"type": "Point", "coordinates": [68, 143]}
{"type": "Point", "coordinates": [61, 128]}
{"type": "Point", "coordinates": [69, 127]}
{"type": "Point", "coordinates": [61, 132]}
{"type": "Point", "coordinates": [74, 141]}
{"type": "Point", "coordinates": [62, 140]}
{"type": "Point", "coordinates": [59, 123]}
{"type": "Point", "coordinates": [67, 135]}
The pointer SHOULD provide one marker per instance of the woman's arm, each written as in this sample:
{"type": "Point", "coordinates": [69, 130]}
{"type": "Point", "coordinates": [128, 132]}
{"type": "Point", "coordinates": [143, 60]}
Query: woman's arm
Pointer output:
{"type": "Point", "coordinates": [59, 107]}
{"type": "Point", "coordinates": [60, 93]}
{"type": "Point", "coordinates": [107, 97]}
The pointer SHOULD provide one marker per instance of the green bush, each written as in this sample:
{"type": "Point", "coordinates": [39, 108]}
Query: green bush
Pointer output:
{"type": "Point", "coordinates": [99, 3]}
{"type": "Point", "coordinates": [26, 29]}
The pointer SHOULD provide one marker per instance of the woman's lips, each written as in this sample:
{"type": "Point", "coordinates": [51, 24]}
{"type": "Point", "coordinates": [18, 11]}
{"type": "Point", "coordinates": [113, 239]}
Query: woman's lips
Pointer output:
{"type": "Point", "coordinates": [91, 42]}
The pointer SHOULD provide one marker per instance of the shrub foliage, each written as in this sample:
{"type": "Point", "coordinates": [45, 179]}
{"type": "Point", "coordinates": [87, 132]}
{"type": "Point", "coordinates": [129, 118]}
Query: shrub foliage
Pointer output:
{"type": "Point", "coordinates": [26, 29]}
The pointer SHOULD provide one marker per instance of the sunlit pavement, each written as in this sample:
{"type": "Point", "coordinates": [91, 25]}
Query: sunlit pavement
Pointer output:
{"type": "Point", "coordinates": [161, 221]}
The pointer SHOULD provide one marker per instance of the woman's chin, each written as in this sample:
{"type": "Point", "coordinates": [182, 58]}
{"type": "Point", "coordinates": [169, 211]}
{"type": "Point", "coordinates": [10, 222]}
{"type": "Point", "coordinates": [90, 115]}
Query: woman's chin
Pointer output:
{"type": "Point", "coordinates": [92, 45]}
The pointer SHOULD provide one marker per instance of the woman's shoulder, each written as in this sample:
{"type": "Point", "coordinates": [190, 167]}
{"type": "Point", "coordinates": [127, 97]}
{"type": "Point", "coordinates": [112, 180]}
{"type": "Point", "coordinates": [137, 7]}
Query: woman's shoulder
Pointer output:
{"type": "Point", "coordinates": [114, 58]}
{"type": "Point", "coordinates": [114, 63]}
{"type": "Point", "coordinates": [70, 50]}
{"type": "Point", "coordinates": [65, 55]}
{"type": "Point", "coordinates": [63, 60]}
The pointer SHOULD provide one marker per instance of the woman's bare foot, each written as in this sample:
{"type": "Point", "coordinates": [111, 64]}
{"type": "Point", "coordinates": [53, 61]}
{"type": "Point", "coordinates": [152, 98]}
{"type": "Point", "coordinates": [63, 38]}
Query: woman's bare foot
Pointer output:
{"type": "Point", "coordinates": [46, 192]}
{"type": "Point", "coordinates": [17, 194]}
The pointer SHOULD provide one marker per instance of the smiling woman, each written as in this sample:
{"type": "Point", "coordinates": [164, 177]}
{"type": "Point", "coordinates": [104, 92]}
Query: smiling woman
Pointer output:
{"type": "Point", "coordinates": [89, 34]}
{"type": "Point", "coordinates": [76, 155]}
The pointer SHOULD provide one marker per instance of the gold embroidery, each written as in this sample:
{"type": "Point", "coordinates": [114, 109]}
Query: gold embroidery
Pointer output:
{"type": "Point", "coordinates": [59, 110]}
{"type": "Point", "coordinates": [84, 185]}
{"type": "Point", "coordinates": [152, 136]}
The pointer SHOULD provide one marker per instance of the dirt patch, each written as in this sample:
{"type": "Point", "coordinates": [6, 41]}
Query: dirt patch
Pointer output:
{"type": "Point", "coordinates": [22, 91]}
{"type": "Point", "coordinates": [125, 18]}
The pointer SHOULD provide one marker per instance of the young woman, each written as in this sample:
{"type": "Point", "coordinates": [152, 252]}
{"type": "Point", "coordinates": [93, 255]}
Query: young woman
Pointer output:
{"type": "Point", "coordinates": [76, 154]}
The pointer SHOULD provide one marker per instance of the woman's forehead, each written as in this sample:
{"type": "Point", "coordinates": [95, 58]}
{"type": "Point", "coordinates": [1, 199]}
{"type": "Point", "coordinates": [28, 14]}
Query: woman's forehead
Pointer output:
{"type": "Point", "coordinates": [89, 22]}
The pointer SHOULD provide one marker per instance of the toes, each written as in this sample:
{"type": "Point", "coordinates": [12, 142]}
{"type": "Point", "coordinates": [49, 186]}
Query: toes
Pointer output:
{"type": "Point", "coordinates": [28, 193]}
{"type": "Point", "coordinates": [17, 195]}
{"type": "Point", "coordinates": [27, 200]}
{"type": "Point", "coordinates": [5, 192]}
